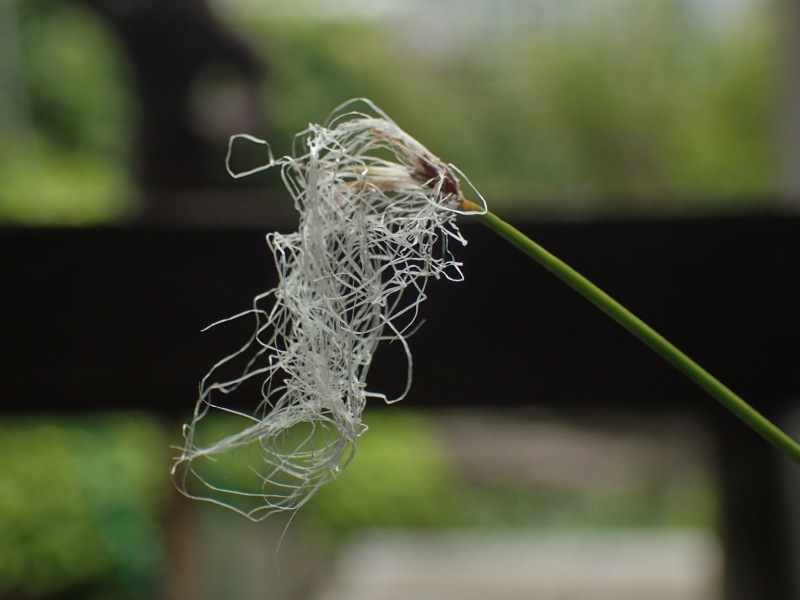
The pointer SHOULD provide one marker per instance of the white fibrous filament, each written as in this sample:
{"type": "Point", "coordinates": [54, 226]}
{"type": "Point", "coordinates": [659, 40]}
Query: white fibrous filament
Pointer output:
{"type": "Point", "coordinates": [377, 217]}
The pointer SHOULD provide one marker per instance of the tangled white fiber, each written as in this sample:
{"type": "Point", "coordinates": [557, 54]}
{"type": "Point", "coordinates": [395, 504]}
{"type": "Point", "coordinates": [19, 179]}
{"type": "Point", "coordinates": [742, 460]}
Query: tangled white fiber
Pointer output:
{"type": "Point", "coordinates": [377, 214]}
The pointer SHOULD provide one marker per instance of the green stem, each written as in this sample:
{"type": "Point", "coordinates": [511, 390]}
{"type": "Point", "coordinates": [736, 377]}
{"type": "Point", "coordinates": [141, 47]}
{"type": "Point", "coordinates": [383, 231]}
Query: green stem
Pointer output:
{"type": "Point", "coordinates": [644, 332]}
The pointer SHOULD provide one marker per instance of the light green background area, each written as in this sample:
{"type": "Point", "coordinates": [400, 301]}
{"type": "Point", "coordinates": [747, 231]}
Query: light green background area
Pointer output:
{"type": "Point", "coordinates": [642, 108]}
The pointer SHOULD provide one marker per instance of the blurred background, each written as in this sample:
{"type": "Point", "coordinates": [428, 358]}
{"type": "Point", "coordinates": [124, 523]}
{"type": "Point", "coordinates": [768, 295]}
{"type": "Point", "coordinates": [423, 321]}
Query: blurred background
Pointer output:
{"type": "Point", "coordinates": [598, 105]}
{"type": "Point", "coordinates": [116, 114]}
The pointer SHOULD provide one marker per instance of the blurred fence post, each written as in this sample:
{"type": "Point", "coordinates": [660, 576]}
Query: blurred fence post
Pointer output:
{"type": "Point", "coordinates": [789, 108]}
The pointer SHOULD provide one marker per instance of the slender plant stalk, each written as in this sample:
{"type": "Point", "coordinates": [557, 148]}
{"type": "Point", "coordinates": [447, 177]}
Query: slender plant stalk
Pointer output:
{"type": "Point", "coordinates": [641, 330]}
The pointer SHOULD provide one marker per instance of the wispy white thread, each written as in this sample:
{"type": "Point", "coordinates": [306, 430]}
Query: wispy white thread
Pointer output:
{"type": "Point", "coordinates": [377, 215]}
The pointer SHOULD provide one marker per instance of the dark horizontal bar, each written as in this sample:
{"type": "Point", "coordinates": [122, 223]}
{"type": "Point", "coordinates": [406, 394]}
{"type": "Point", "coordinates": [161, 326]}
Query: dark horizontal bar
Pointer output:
{"type": "Point", "coordinates": [111, 317]}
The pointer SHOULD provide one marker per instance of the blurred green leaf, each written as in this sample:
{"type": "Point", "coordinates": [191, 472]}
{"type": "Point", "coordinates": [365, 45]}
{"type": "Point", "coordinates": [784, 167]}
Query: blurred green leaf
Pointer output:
{"type": "Point", "coordinates": [80, 501]}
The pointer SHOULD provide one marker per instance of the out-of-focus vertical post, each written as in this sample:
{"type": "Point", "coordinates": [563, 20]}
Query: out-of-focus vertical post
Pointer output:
{"type": "Point", "coordinates": [789, 111]}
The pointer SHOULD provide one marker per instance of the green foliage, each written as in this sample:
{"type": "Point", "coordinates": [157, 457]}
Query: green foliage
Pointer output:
{"type": "Point", "coordinates": [79, 502]}
{"type": "Point", "coordinates": [66, 142]}
{"type": "Point", "coordinates": [81, 499]}
{"type": "Point", "coordinates": [403, 477]}
{"type": "Point", "coordinates": [650, 106]}
{"type": "Point", "coordinates": [399, 477]}
{"type": "Point", "coordinates": [641, 107]}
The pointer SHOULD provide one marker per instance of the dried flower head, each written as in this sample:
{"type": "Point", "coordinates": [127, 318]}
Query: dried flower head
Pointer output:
{"type": "Point", "coordinates": [377, 215]}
